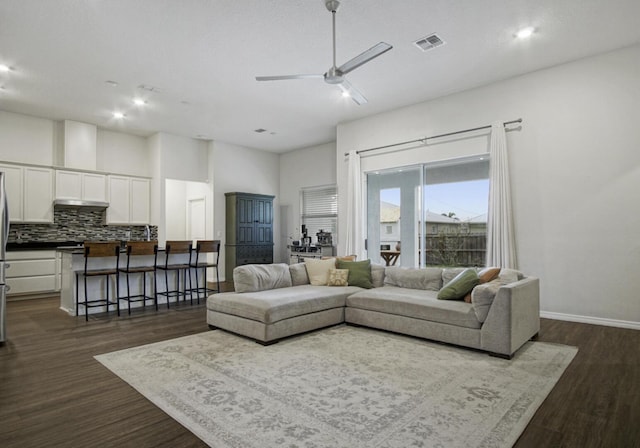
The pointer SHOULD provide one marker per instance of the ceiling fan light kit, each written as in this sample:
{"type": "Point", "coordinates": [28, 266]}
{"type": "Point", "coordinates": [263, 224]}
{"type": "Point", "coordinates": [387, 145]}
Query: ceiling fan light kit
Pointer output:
{"type": "Point", "coordinates": [335, 75]}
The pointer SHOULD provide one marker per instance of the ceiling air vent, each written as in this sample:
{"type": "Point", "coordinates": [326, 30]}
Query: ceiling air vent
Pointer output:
{"type": "Point", "coordinates": [429, 42]}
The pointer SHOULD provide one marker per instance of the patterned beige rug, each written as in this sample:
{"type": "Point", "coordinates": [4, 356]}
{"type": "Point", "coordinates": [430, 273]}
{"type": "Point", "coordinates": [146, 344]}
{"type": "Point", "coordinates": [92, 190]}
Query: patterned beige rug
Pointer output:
{"type": "Point", "coordinates": [342, 387]}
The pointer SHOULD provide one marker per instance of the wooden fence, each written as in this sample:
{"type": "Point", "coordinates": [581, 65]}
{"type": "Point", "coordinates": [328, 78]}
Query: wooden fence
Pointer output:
{"type": "Point", "coordinates": [456, 250]}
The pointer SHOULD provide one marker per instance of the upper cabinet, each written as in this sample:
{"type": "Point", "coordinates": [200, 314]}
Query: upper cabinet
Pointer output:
{"type": "Point", "coordinates": [29, 193]}
{"type": "Point", "coordinates": [129, 199]}
{"type": "Point", "coordinates": [81, 186]}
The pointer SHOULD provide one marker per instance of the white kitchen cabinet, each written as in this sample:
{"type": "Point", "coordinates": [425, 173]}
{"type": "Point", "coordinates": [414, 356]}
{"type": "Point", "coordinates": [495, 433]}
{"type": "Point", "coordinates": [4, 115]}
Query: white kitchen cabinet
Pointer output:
{"type": "Point", "coordinates": [140, 198]}
{"type": "Point", "coordinates": [14, 187]}
{"type": "Point", "coordinates": [129, 199]}
{"type": "Point", "coordinates": [81, 186]}
{"type": "Point", "coordinates": [38, 195]}
{"type": "Point", "coordinates": [31, 272]}
{"type": "Point", "coordinates": [94, 187]}
{"type": "Point", "coordinates": [29, 193]}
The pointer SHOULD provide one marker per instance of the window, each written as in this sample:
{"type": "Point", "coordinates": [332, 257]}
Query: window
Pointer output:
{"type": "Point", "coordinates": [319, 211]}
{"type": "Point", "coordinates": [437, 211]}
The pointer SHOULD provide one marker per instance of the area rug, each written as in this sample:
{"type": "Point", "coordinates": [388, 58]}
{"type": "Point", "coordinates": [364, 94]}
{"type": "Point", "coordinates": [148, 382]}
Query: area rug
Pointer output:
{"type": "Point", "coordinates": [342, 387]}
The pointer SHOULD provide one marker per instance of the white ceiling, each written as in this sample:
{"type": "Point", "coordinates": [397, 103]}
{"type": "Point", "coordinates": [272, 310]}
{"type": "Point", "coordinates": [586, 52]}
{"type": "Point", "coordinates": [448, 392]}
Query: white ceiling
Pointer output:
{"type": "Point", "coordinates": [202, 57]}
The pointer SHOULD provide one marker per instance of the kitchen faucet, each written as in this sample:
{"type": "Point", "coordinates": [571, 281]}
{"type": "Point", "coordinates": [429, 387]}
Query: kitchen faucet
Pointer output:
{"type": "Point", "coordinates": [147, 233]}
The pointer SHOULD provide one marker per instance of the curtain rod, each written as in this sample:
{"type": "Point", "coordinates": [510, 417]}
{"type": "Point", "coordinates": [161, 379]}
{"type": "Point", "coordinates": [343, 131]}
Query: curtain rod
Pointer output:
{"type": "Point", "coordinates": [424, 139]}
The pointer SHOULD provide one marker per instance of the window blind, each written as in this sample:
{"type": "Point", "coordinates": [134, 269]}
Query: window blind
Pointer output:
{"type": "Point", "coordinates": [319, 210]}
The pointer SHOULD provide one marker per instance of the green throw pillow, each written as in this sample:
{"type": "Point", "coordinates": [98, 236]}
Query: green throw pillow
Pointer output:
{"type": "Point", "coordinates": [359, 272]}
{"type": "Point", "coordinates": [459, 286]}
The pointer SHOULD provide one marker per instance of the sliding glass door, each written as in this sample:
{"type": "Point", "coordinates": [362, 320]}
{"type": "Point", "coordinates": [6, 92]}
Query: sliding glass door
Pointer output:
{"type": "Point", "coordinates": [433, 214]}
{"type": "Point", "coordinates": [393, 214]}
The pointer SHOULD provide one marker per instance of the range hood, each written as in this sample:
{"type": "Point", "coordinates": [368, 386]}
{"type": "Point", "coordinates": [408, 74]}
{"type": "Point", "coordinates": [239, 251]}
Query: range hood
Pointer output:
{"type": "Point", "coordinates": [75, 203]}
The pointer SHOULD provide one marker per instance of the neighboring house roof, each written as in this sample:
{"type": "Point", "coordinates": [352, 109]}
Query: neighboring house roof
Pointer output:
{"type": "Point", "coordinates": [480, 219]}
{"type": "Point", "coordinates": [389, 212]}
{"type": "Point", "coordinates": [437, 218]}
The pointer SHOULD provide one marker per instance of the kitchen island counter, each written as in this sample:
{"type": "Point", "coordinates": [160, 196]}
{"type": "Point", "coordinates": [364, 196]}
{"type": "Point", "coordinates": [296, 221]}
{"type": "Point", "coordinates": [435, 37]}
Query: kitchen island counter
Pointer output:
{"type": "Point", "coordinates": [73, 262]}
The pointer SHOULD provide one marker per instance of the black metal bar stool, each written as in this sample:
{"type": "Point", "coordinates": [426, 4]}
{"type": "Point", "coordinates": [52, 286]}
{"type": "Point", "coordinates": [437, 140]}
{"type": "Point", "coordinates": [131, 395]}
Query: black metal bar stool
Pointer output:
{"type": "Point", "coordinates": [135, 248]}
{"type": "Point", "coordinates": [171, 249]}
{"type": "Point", "coordinates": [205, 247]}
{"type": "Point", "coordinates": [102, 250]}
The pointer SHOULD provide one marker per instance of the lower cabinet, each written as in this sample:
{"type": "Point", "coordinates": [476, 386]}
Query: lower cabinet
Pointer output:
{"type": "Point", "coordinates": [246, 254]}
{"type": "Point", "coordinates": [32, 272]}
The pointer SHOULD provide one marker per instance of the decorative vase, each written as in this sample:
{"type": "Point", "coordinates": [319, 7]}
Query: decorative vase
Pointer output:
{"type": "Point", "coordinates": [398, 246]}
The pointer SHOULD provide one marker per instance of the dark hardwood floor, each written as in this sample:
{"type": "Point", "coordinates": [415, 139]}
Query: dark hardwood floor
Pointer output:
{"type": "Point", "coordinates": [54, 394]}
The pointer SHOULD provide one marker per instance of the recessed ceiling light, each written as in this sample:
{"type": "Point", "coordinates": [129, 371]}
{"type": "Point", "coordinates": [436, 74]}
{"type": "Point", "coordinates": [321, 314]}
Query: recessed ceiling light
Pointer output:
{"type": "Point", "coordinates": [111, 83]}
{"type": "Point", "coordinates": [139, 102]}
{"type": "Point", "coordinates": [4, 68]}
{"type": "Point", "coordinates": [525, 33]}
{"type": "Point", "coordinates": [118, 115]}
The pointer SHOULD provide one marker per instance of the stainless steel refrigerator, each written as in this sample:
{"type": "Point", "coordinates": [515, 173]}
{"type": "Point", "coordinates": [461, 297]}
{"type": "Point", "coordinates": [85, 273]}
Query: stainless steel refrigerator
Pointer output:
{"type": "Point", "coordinates": [4, 235]}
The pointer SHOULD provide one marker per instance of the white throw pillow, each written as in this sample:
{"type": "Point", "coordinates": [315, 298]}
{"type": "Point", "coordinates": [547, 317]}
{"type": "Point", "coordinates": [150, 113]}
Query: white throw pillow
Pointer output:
{"type": "Point", "coordinates": [318, 270]}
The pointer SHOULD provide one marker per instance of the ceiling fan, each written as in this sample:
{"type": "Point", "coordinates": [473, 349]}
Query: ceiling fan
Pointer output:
{"type": "Point", "coordinates": [336, 75]}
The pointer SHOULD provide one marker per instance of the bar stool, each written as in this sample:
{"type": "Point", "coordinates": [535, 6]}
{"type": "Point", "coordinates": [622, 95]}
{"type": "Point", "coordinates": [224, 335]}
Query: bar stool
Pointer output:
{"type": "Point", "coordinates": [172, 248]}
{"type": "Point", "coordinates": [135, 248]}
{"type": "Point", "coordinates": [95, 250]}
{"type": "Point", "coordinates": [205, 247]}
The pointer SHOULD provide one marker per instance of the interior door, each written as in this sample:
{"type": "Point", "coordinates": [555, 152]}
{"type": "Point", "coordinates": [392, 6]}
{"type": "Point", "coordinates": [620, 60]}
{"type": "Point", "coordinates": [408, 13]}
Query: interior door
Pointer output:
{"type": "Point", "coordinates": [196, 218]}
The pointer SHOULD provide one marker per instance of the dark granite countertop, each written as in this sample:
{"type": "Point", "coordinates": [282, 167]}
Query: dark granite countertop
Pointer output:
{"type": "Point", "coordinates": [42, 245]}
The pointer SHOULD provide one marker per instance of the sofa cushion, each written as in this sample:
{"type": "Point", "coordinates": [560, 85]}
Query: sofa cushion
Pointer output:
{"type": "Point", "coordinates": [273, 305]}
{"type": "Point", "coordinates": [510, 275]}
{"type": "Point", "coordinates": [259, 277]}
{"type": "Point", "coordinates": [415, 303]}
{"type": "Point", "coordinates": [338, 277]}
{"type": "Point", "coordinates": [426, 279]}
{"type": "Point", "coordinates": [482, 297]}
{"type": "Point", "coordinates": [459, 286]}
{"type": "Point", "coordinates": [449, 274]}
{"type": "Point", "coordinates": [377, 275]}
{"type": "Point", "coordinates": [318, 270]}
{"type": "Point", "coordinates": [359, 272]}
{"type": "Point", "coordinates": [299, 274]}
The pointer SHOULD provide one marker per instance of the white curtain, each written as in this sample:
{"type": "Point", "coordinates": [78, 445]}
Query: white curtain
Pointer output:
{"type": "Point", "coordinates": [501, 247]}
{"type": "Point", "coordinates": [354, 238]}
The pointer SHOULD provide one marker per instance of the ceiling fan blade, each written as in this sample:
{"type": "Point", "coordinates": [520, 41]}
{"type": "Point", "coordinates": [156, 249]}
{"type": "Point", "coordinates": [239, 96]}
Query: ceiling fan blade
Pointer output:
{"type": "Point", "coordinates": [365, 57]}
{"type": "Point", "coordinates": [354, 93]}
{"type": "Point", "coordinates": [283, 77]}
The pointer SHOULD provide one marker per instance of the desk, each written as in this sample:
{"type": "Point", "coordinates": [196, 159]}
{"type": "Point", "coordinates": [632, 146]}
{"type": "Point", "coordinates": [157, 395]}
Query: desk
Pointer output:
{"type": "Point", "coordinates": [390, 256]}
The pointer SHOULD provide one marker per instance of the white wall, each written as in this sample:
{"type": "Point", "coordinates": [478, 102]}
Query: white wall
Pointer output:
{"type": "Point", "coordinates": [26, 139]}
{"type": "Point", "coordinates": [175, 209]}
{"type": "Point", "coordinates": [122, 153]}
{"type": "Point", "coordinates": [178, 158]}
{"type": "Point", "coordinates": [575, 168]}
{"type": "Point", "coordinates": [184, 158]}
{"type": "Point", "coordinates": [246, 170]}
{"type": "Point", "coordinates": [307, 167]}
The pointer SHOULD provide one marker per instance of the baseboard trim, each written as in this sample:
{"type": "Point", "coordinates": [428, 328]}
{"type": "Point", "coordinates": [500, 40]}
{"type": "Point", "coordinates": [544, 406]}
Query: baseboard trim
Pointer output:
{"type": "Point", "coordinates": [591, 320]}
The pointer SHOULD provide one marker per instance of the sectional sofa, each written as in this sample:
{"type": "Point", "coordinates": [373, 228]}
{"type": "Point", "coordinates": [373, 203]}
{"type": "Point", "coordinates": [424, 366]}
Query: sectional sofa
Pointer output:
{"type": "Point", "coordinates": [274, 301]}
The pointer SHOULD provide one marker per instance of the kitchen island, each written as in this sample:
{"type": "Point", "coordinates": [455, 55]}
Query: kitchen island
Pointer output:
{"type": "Point", "coordinates": [72, 261]}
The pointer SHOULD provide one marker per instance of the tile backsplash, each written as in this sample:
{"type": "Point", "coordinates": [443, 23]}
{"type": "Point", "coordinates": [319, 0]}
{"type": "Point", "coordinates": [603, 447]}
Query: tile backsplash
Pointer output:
{"type": "Point", "coordinates": [76, 224]}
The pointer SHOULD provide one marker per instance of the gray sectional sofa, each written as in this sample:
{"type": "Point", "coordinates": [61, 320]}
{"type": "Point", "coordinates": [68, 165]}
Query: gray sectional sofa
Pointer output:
{"type": "Point", "coordinates": [275, 301]}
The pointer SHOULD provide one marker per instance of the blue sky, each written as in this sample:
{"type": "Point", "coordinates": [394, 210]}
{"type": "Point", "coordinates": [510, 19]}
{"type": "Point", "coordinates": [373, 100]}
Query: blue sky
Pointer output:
{"type": "Point", "coordinates": [465, 199]}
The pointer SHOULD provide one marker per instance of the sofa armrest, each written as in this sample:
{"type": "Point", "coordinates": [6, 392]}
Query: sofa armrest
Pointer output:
{"type": "Point", "coordinates": [514, 317]}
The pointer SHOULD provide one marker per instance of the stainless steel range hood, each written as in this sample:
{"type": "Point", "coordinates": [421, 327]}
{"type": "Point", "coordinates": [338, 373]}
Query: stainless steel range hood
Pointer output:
{"type": "Point", "coordinates": [74, 203]}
